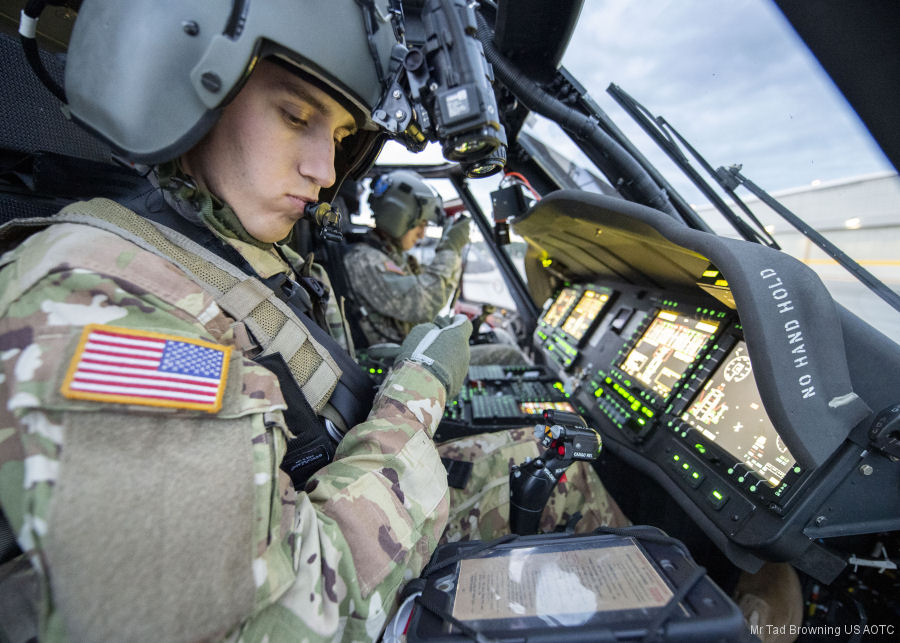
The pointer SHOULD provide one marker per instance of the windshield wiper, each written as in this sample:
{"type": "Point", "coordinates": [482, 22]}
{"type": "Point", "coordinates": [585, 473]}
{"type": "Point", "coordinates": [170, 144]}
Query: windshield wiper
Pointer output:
{"type": "Point", "coordinates": [656, 129]}
{"type": "Point", "coordinates": [730, 178]}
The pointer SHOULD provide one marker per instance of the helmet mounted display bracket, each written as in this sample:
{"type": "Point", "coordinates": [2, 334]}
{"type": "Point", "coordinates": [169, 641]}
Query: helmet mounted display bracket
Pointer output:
{"type": "Point", "coordinates": [442, 90]}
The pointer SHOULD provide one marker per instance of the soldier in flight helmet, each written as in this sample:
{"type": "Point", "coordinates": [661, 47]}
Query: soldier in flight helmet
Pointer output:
{"type": "Point", "coordinates": [170, 462]}
{"type": "Point", "coordinates": [394, 290]}
{"type": "Point", "coordinates": [400, 201]}
{"type": "Point", "coordinates": [186, 453]}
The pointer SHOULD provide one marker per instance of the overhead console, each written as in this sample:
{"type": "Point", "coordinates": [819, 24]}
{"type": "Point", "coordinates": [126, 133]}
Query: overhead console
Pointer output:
{"type": "Point", "coordinates": [718, 367]}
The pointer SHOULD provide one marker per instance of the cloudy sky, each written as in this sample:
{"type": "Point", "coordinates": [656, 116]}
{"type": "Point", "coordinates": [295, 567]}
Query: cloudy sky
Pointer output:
{"type": "Point", "coordinates": [732, 77]}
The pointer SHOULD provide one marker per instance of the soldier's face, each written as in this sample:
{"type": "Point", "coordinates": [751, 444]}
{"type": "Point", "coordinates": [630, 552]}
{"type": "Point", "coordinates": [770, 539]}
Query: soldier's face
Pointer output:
{"type": "Point", "coordinates": [272, 150]}
{"type": "Point", "coordinates": [412, 236]}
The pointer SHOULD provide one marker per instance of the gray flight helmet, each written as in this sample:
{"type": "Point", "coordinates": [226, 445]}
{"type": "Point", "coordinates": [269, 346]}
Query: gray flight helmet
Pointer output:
{"type": "Point", "coordinates": [151, 77]}
{"type": "Point", "coordinates": [401, 200]}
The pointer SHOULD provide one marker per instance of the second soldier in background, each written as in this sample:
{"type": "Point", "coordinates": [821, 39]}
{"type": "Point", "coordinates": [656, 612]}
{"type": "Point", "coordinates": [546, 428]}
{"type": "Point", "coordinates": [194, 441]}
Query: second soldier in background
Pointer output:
{"type": "Point", "coordinates": [392, 289]}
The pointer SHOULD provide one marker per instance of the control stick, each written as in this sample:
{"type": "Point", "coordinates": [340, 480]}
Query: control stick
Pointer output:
{"type": "Point", "coordinates": [567, 438]}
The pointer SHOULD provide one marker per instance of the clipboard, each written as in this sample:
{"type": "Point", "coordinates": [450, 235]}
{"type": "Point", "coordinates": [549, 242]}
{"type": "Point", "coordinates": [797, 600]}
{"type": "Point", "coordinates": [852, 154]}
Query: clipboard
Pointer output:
{"type": "Point", "coordinates": [620, 585]}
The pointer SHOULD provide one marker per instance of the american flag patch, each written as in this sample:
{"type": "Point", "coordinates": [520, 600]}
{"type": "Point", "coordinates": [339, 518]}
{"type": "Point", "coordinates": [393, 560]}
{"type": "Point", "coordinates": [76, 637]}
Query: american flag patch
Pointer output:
{"type": "Point", "coordinates": [142, 367]}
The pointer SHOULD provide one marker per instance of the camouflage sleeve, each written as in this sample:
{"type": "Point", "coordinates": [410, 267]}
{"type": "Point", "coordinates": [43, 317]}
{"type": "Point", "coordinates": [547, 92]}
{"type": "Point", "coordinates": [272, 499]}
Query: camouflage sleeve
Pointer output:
{"type": "Point", "coordinates": [371, 519]}
{"type": "Point", "coordinates": [167, 523]}
{"type": "Point", "coordinates": [392, 291]}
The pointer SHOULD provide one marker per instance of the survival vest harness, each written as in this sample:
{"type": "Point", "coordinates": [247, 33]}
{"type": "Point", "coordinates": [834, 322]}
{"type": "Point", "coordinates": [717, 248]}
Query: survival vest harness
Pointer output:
{"type": "Point", "coordinates": [317, 376]}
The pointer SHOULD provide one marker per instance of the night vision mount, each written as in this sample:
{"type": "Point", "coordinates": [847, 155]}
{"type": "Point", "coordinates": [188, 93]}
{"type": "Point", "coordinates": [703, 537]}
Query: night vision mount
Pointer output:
{"type": "Point", "coordinates": [441, 89]}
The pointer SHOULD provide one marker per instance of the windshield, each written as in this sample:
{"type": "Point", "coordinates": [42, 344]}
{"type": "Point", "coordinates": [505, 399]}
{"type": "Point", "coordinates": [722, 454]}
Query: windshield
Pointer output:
{"type": "Point", "coordinates": [737, 82]}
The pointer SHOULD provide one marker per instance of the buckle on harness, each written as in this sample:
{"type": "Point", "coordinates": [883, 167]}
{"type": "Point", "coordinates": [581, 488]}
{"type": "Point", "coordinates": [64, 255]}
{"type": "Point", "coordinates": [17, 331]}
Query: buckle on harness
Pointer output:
{"type": "Point", "coordinates": [303, 294]}
{"type": "Point", "coordinates": [315, 287]}
{"type": "Point", "coordinates": [289, 290]}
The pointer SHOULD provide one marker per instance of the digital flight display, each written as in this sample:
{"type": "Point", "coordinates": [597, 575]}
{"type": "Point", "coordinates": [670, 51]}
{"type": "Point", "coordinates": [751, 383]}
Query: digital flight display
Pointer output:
{"type": "Point", "coordinates": [666, 349]}
{"type": "Point", "coordinates": [585, 312]}
{"type": "Point", "coordinates": [560, 307]}
{"type": "Point", "coordinates": [536, 408]}
{"type": "Point", "coordinates": [729, 412]}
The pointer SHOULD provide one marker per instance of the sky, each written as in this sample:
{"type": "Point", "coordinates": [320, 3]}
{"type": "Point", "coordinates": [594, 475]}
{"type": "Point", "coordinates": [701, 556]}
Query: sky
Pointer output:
{"type": "Point", "coordinates": [732, 77]}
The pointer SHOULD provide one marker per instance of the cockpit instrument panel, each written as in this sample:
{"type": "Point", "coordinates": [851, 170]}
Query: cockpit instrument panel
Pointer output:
{"type": "Point", "coordinates": [666, 377]}
{"type": "Point", "coordinates": [560, 307]}
{"type": "Point", "coordinates": [649, 342]}
{"type": "Point", "coordinates": [586, 312]}
{"type": "Point", "coordinates": [729, 412]}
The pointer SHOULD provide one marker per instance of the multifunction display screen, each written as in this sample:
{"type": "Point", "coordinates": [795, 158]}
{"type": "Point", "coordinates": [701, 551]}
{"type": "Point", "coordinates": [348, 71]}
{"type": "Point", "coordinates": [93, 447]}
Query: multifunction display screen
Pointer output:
{"type": "Point", "coordinates": [729, 412]}
{"type": "Point", "coordinates": [536, 408]}
{"type": "Point", "coordinates": [586, 311]}
{"type": "Point", "coordinates": [560, 307]}
{"type": "Point", "coordinates": [666, 349]}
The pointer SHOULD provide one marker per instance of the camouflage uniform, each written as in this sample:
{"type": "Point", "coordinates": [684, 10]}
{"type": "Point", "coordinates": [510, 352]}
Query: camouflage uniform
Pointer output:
{"type": "Point", "coordinates": [392, 283]}
{"type": "Point", "coordinates": [396, 293]}
{"type": "Point", "coordinates": [136, 517]}
{"type": "Point", "coordinates": [480, 511]}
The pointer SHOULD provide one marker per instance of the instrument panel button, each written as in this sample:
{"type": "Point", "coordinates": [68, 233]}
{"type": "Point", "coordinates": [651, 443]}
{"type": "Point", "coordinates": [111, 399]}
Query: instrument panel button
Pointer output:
{"type": "Point", "coordinates": [717, 499]}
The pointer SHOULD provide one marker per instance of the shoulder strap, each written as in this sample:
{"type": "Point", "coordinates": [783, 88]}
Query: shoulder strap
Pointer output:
{"type": "Point", "coordinates": [353, 306]}
{"type": "Point", "coordinates": [243, 297]}
{"type": "Point", "coordinates": [353, 392]}
{"type": "Point", "coordinates": [276, 326]}
{"type": "Point", "coordinates": [9, 548]}
{"type": "Point", "coordinates": [20, 600]}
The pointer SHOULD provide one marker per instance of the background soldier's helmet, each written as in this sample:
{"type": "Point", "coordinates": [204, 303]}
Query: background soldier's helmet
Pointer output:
{"type": "Point", "coordinates": [400, 200]}
{"type": "Point", "coordinates": [150, 77]}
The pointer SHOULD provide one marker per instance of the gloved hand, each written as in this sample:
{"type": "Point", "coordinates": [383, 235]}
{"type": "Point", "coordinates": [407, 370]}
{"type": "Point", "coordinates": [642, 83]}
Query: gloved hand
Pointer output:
{"type": "Point", "coordinates": [456, 236]}
{"type": "Point", "coordinates": [442, 349]}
